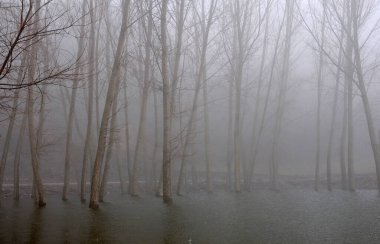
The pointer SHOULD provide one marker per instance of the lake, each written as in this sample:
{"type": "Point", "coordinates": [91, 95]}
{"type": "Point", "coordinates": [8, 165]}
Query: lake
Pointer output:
{"type": "Point", "coordinates": [291, 216]}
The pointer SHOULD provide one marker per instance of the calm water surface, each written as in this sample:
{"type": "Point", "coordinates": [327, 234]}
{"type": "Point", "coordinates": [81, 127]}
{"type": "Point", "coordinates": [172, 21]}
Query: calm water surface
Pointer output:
{"type": "Point", "coordinates": [258, 217]}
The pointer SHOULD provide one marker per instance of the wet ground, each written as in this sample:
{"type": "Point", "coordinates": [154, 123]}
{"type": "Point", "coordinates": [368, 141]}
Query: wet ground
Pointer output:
{"type": "Point", "coordinates": [291, 216]}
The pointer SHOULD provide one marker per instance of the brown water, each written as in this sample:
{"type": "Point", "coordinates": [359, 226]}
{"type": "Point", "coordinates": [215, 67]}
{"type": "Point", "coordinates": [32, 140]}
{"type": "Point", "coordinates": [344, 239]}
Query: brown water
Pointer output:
{"type": "Point", "coordinates": [298, 216]}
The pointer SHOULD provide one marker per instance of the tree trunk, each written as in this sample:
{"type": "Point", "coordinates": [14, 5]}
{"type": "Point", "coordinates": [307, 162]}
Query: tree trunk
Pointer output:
{"type": "Point", "coordinates": [319, 101]}
{"type": "Point", "coordinates": [333, 118]}
{"type": "Point", "coordinates": [178, 52]}
{"type": "Point", "coordinates": [349, 71]}
{"type": "Point", "coordinates": [91, 81]}
{"type": "Point", "coordinates": [364, 95]}
{"type": "Point", "coordinates": [110, 145]}
{"type": "Point", "coordinates": [258, 98]}
{"type": "Point", "coordinates": [12, 118]}
{"type": "Point", "coordinates": [16, 168]}
{"type": "Point", "coordinates": [70, 121]}
{"type": "Point", "coordinates": [94, 197]}
{"type": "Point", "coordinates": [146, 85]}
{"type": "Point", "coordinates": [166, 165]}
{"type": "Point", "coordinates": [32, 59]}
{"type": "Point", "coordinates": [282, 92]}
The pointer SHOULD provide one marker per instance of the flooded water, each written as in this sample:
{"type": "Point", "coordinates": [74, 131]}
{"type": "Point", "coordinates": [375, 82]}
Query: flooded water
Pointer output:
{"type": "Point", "coordinates": [296, 216]}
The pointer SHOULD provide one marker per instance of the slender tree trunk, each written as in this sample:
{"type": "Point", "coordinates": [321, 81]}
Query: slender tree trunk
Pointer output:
{"type": "Point", "coordinates": [333, 118]}
{"type": "Point", "coordinates": [32, 59]}
{"type": "Point", "coordinates": [349, 71]}
{"type": "Point", "coordinates": [363, 92]}
{"type": "Point", "coordinates": [16, 168]}
{"type": "Point", "coordinates": [267, 95]}
{"type": "Point", "coordinates": [258, 97]}
{"type": "Point", "coordinates": [110, 145]}
{"type": "Point", "coordinates": [319, 101]}
{"type": "Point", "coordinates": [70, 121]}
{"type": "Point", "coordinates": [206, 134]}
{"type": "Point", "coordinates": [95, 182]}
{"type": "Point", "coordinates": [147, 75]}
{"type": "Point", "coordinates": [201, 71]}
{"type": "Point", "coordinates": [229, 136]}
{"type": "Point", "coordinates": [128, 155]}
{"type": "Point", "coordinates": [12, 119]}
{"type": "Point", "coordinates": [166, 165]}
{"type": "Point", "coordinates": [91, 81]}
{"type": "Point", "coordinates": [178, 52]}
{"type": "Point", "coordinates": [282, 92]}
{"type": "Point", "coordinates": [343, 141]}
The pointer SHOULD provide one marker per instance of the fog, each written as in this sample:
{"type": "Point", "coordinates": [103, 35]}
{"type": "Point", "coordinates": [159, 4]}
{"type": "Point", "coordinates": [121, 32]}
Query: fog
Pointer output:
{"type": "Point", "coordinates": [171, 98]}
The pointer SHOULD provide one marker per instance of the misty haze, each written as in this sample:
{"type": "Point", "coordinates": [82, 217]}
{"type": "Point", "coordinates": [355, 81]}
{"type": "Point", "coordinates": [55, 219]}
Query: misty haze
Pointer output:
{"type": "Point", "coordinates": [189, 121]}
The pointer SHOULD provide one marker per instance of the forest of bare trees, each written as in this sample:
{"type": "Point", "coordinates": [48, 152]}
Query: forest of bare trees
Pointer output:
{"type": "Point", "coordinates": [165, 97]}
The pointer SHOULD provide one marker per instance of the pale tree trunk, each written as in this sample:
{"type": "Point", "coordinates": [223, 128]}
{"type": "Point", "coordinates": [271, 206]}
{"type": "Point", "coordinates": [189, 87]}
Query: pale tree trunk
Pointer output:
{"type": "Point", "coordinates": [363, 91]}
{"type": "Point", "coordinates": [319, 101]}
{"type": "Point", "coordinates": [258, 97]}
{"type": "Point", "coordinates": [229, 136]}
{"type": "Point", "coordinates": [32, 59]}
{"type": "Point", "coordinates": [70, 120]}
{"type": "Point", "coordinates": [238, 73]}
{"type": "Point", "coordinates": [89, 129]}
{"type": "Point", "coordinates": [12, 118]}
{"type": "Point", "coordinates": [267, 96]}
{"type": "Point", "coordinates": [95, 182]}
{"type": "Point", "coordinates": [144, 102]}
{"type": "Point", "coordinates": [120, 167]}
{"type": "Point", "coordinates": [349, 72]}
{"type": "Point", "coordinates": [167, 152]}
{"type": "Point", "coordinates": [282, 92]}
{"type": "Point", "coordinates": [128, 155]}
{"type": "Point", "coordinates": [111, 143]}
{"type": "Point", "coordinates": [205, 102]}
{"type": "Point", "coordinates": [206, 133]}
{"type": "Point", "coordinates": [16, 165]}
{"type": "Point", "coordinates": [333, 117]}
{"type": "Point", "coordinates": [201, 71]}
{"type": "Point", "coordinates": [155, 147]}
{"type": "Point", "coordinates": [343, 140]}
{"type": "Point", "coordinates": [180, 20]}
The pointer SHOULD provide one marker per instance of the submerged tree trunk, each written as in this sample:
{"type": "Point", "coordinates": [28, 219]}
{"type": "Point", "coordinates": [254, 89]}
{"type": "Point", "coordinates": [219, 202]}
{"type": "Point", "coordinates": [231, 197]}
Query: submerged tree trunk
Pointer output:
{"type": "Point", "coordinates": [333, 117]}
{"type": "Point", "coordinates": [206, 134]}
{"type": "Point", "coordinates": [144, 102]}
{"type": "Point", "coordinates": [111, 143]}
{"type": "Point", "coordinates": [319, 101]}
{"type": "Point", "coordinates": [349, 72]}
{"type": "Point", "coordinates": [94, 197]}
{"type": "Point", "coordinates": [258, 98]}
{"type": "Point", "coordinates": [89, 130]}
{"type": "Point", "coordinates": [12, 119]}
{"type": "Point", "coordinates": [201, 71]}
{"type": "Point", "coordinates": [128, 155]}
{"type": "Point", "coordinates": [343, 141]}
{"type": "Point", "coordinates": [16, 165]}
{"type": "Point", "coordinates": [282, 92]}
{"type": "Point", "coordinates": [363, 92]}
{"type": "Point", "coordinates": [70, 121]}
{"type": "Point", "coordinates": [267, 95]}
{"type": "Point", "coordinates": [32, 59]}
{"type": "Point", "coordinates": [167, 152]}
